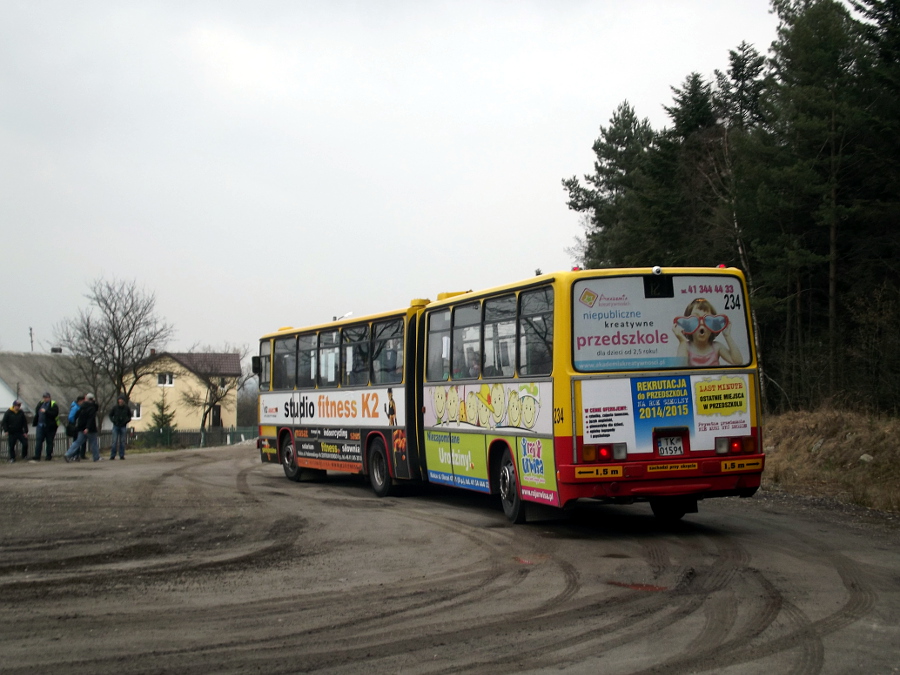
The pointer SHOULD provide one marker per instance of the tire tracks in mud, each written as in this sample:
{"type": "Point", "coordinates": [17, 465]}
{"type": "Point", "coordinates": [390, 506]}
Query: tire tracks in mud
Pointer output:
{"type": "Point", "coordinates": [801, 634]}
{"type": "Point", "coordinates": [428, 599]}
{"type": "Point", "coordinates": [511, 598]}
{"type": "Point", "coordinates": [150, 548]}
{"type": "Point", "coordinates": [572, 633]}
{"type": "Point", "coordinates": [373, 637]}
{"type": "Point", "coordinates": [123, 564]}
{"type": "Point", "coordinates": [646, 613]}
{"type": "Point", "coordinates": [707, 588]}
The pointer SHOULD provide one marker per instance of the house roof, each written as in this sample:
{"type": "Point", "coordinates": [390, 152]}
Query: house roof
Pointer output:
{"type": "Point", "coordinates": [27, 375]}
{"type": "Point", "coordinates": [208, 364]}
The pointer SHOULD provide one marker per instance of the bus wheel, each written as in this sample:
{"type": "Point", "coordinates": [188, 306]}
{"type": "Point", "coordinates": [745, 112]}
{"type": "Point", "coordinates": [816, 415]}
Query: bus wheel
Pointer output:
{"type": "Point", "coordinates": [379, 475]}
{"type": "Point", "coordinates": [513, 506]}
{"type": "Point", "coordinates": [671, 510]}
{"type": "Point", "coordinates": [289, 459]}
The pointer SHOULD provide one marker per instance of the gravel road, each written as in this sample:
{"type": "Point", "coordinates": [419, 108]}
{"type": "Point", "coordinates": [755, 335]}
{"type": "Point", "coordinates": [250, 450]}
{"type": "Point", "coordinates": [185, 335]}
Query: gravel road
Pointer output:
{"type": "Point", "coordinates": [202, 561]}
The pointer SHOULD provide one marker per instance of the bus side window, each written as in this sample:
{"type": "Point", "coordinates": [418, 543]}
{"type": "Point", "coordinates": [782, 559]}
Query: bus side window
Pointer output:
{"type": "Point", "coordinates": [306, 362]}
{"type": "Point", "coordinates": [499, 336]}
{"type": "Point", "coordinates": [264, 365]}
{"type": "Point", "coordinates": [438, 359]}
{"type": "Point", "coordinates": [393, 373]}
{"type": "Point", "coordinates": [536, 332]}
{"type": "Point", "coordinates": [285, 362]}
{"type": "Point", "coordinates": [356, 355]}
{"type": "Point", "coordinates": [386, 370]}
{"type": "Point", "coordinates": [466, 338]}
{"type": "Point", "coordinates": [387, 352]}
{"type": "Point", "coordinates": [329, 358]}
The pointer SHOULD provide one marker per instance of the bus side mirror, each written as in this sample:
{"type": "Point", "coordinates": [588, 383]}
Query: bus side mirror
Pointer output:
{"type": "Point", "coordinates": [254, 365]}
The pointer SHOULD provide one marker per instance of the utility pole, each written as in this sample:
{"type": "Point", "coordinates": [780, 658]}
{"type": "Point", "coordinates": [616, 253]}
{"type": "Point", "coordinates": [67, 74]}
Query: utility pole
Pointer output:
{"type": "Point", "coordinates": [31, 337]}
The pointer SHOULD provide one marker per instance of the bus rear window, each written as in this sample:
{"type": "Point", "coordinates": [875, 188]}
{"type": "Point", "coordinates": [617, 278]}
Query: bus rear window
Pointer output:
{"type": "Point", "coordinates": [621, 323]}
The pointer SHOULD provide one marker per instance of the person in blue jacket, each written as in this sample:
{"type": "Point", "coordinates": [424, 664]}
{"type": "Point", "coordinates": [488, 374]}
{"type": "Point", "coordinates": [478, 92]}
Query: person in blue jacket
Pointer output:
{"type": "Point", "coordinates": [87, 430]}
{"type": "Point", "coordinates": [71, 426]}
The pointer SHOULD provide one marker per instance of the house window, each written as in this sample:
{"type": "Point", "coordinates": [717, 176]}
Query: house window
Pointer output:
{"type": "Point", "coordinates": [165, 379]}
{"type": "Point", "coordinates": [135, 410]}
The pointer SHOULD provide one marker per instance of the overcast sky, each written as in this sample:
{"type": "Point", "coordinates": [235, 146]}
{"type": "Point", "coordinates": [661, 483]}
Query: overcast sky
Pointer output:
{"type": "Point", "coordinates": [271, 163]}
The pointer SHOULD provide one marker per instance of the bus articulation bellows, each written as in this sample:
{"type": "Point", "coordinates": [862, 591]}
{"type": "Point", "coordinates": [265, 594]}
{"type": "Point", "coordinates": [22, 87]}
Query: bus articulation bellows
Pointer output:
{"type": "Point", "coordinates": [620, 385]}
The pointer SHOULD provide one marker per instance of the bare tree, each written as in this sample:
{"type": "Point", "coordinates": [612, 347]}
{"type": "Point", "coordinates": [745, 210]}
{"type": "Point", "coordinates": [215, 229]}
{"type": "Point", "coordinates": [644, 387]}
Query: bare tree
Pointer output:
{"type": "Point", "coordinates": [248, 403]}
{"type": "Point", "coordinates": [111, 341]}
{"type": "Point", "coordinates": [221, 372]}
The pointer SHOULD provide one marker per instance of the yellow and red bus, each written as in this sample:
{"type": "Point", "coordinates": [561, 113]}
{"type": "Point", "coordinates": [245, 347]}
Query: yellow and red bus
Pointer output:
{"type": "Point", "coordinates": [619, 385]}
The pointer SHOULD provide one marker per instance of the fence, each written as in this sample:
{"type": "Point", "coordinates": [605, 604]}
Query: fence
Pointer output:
{"type": "Point", "coordinates": [191, 438]}
{"type": "Point", "coordinates": [177, 439]}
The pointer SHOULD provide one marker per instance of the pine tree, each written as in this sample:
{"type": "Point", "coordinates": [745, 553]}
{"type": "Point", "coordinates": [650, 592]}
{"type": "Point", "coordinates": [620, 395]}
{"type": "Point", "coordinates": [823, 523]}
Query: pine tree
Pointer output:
{"type": "Point", "coordinates": [164, 416]}
{"type": "Point", "coordinates": [816, 62]}
{"type": "Point", "coordinates": [607, 195]}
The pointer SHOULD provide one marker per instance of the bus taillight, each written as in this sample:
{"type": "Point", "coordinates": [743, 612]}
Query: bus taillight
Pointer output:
{"type": "Point", "coordinates": [604, 452]}
{"type": "Point", "coordinates": [735, 445]}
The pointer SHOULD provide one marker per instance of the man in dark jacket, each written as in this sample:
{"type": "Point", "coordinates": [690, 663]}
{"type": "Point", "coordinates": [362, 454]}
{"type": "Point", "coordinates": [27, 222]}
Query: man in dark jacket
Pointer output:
{"type": "Point", "coordinates": [87, 430]}
{"type": "Point", "coordinates": [46, 421]}
{"type": "Point", "coordinates": [120, 416]}
{"type": "Point", "coordinates": [16, 425]}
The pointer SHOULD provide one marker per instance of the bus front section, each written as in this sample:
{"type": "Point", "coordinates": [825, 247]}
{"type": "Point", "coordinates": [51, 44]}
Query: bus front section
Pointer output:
{"type": "Point", "coordinates": [665, 390]}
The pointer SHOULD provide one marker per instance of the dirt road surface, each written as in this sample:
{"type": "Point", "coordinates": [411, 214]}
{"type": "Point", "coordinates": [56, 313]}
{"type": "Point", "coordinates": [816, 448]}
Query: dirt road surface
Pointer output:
{"type": "Point", "coordinates": [206, 561]}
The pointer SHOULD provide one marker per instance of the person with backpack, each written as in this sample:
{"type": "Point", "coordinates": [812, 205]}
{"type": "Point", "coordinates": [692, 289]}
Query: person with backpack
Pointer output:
{"type": "Point", "coordinates": [87, 430]}
{"type": "Point", "coordinates": [120, 416]}
{"type": "Point", "coordinates": [46, 422]}
{"type": "Point", "coordinates": [71, 427]}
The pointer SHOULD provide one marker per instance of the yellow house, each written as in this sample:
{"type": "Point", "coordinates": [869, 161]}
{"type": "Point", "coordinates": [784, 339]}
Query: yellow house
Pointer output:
{"type": "Point", "coordinates": [198, 389]}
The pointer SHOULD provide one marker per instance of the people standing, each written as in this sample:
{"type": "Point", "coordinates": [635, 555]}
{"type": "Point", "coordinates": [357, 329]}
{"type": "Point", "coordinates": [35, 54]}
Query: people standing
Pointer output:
{"type": "Point", "coordinates": [120, 416]}
{"type": "Point", "coordinates": [46, 421]}
{"type": "Point", "coordinates": [71, 427]}
{"type": "Point", "coordinates": [87, 430]}
{"type": "Point", "coordinates": [15, 424]}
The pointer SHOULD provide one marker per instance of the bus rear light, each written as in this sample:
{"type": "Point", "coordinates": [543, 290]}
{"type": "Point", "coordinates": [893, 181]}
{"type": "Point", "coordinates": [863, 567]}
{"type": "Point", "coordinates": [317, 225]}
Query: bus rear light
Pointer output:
{"type": "Point", "coordinates": [604, 452]}
{"type": "Point", "coordinates": [735, 445]}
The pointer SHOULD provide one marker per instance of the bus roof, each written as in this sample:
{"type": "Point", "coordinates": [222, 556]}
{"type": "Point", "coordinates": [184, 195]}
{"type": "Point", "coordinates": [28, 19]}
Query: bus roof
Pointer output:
{"type": "Point", "coordinates": [446, 298]}
{"type": "Point", "coordinates": [397, 313]}
{"type": "Point", "coordinates": [571, 276]}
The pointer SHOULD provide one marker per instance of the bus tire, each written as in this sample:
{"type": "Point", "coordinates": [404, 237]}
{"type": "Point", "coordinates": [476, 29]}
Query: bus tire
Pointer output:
{"type": "Point", "coordinates": [289, 459]}
{"type": "Point", "coordinates": [671, 510]}
{"type": "Point", "coordinates": [379, 474]}
{"type": "Point", "coordinates": [513, 506]}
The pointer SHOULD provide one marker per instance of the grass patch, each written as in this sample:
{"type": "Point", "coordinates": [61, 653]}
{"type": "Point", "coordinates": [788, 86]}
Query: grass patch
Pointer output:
{"type": "Point", "coordinates": [851, 456]}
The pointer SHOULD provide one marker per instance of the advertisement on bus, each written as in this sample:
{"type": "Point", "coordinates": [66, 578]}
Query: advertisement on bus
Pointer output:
{"type": "Point", "coordinates": [377, 407]}
{"type": "Point", "coordinates": [462, 421]}
{"type": "Point", "coordinates": [676, 321]}
{"type": "Point", "coordinates": [628, 410]}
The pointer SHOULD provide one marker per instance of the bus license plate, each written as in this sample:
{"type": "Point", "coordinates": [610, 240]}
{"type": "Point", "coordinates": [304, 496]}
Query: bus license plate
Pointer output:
{"type": "Point", "coordinates": [669, 445]}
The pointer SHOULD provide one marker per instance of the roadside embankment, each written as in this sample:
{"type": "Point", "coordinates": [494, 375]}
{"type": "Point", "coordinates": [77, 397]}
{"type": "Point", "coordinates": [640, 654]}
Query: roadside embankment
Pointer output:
{"type": "Point", "coordinates": [850, 456]}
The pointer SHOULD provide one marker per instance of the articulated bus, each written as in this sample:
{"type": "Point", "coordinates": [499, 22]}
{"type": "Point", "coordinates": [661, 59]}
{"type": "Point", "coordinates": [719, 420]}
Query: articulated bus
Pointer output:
{"type": "Point", "coordinates": [618, 385]}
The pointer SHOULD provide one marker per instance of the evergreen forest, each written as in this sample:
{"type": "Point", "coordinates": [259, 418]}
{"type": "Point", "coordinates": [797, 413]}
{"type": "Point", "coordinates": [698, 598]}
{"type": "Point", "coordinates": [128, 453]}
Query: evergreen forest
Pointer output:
{"type": "Point", "coordinates": [787, 166]}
